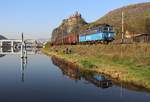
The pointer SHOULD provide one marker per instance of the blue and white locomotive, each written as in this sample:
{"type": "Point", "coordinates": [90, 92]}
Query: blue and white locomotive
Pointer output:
{"type": "Point", "coordinates": [102, 33]}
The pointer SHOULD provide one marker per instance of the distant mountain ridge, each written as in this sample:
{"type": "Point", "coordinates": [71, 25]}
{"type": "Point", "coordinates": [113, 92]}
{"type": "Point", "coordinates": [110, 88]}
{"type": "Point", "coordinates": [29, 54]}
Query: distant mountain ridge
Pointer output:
{"type": "Point", "coordinates": [2, 37]}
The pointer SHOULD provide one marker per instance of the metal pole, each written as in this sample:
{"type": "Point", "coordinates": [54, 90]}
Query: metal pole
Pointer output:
{"type": "Point", "coordinates": [25, 51]}
{"type": "Point", "coordinates": [1, 49]}
{"type": "Point", "coordinates": [1, 43]}
{"type": "Point", "coordinates": [122, 27]}
{"type": "Point", "coordinates": [12, 43]}
{"type": "Point", "coordinates": [22, 37]}
{"type": "Point", "coordinates": [22, 46]}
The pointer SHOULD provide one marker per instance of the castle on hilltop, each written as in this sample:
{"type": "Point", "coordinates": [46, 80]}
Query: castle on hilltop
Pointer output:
{"type": "Point", "coordinates": [73, 19]}
{"type": "Point", "coordinates": [69, 26]}
{"type": "Point", "coordinates": [76, 15]}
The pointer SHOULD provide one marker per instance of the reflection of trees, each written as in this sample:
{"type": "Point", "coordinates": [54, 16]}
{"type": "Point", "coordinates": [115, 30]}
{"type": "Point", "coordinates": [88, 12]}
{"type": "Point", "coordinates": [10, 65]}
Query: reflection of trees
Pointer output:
{"type": "Point", "coordinates": [71, 72]}
{"type": "Point", "coordinates": [76, 74]}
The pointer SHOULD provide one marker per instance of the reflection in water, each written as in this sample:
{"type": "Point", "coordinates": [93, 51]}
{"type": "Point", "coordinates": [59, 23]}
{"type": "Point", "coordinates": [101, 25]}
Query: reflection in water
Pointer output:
{"type": "Point", "coordinates": [17, 51]}
{"type": "Point", "coordinates": [1, 55]}
{"type": "Point", "coordinates": [98, 80]}
{"type": "Point", "coordinates": [23, 67]}
{"type": "Point", "coordinates": [13, 51]}
{"type": "Point", "coordinates": [44, 81]}
{"type": "Point", "coordinates": [76, 74]}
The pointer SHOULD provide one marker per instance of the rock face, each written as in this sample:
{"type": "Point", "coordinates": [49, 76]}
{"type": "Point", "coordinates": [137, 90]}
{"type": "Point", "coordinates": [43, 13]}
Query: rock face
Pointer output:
{"type": "Point", "coordinates": [2, 37]}
{"type": "Point", "coordinates": [69, 26]}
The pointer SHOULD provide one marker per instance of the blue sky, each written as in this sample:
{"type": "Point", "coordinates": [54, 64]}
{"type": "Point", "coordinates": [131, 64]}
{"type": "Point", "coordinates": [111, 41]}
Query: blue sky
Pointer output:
{"type": "Point", "coordinates": [37, 18]}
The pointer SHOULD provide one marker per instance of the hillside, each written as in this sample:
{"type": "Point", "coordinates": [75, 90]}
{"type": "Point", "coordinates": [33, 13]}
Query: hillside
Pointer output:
{"type": "Point", "coordinates": [2, 37]}
{"type": "Point", "coordinates": [137, 19]}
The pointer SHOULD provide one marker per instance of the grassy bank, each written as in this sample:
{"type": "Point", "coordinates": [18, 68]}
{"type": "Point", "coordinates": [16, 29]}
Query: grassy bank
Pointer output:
{"type": "Point", "coordinates": [128, 63]}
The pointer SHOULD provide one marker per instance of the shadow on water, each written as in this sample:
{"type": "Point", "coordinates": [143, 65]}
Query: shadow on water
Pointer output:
{"type": "Point", "coordinates": [99, 80]}
{"type": "Point", "coordinates": [76, 74]}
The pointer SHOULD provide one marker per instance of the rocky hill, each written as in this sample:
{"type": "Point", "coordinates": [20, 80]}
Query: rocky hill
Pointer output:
{"type": "Point", "coordinates": [69, 26]}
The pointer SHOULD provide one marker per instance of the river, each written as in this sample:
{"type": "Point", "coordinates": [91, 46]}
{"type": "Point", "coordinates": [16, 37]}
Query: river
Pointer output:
{"type": "Point", "coordinates": [39, 79]}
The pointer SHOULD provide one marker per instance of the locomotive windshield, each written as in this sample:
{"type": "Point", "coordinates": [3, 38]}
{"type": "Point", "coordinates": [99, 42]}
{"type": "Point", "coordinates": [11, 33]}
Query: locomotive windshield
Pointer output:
{"type": "Point", "coordinates": [107, 29]}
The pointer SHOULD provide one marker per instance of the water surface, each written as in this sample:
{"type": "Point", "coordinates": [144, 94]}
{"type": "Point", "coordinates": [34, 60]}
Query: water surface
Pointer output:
{"type": "Point", "coordinates": [39, 79]}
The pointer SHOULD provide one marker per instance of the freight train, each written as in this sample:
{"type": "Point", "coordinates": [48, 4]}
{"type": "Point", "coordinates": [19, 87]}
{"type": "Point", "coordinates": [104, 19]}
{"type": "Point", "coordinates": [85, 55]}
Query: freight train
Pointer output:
{"type": "Point", "coordinates": [103, 33]}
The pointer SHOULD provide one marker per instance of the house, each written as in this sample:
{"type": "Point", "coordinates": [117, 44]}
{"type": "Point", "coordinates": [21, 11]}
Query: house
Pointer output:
{"type": "Point", "coordinates": [142, 38]}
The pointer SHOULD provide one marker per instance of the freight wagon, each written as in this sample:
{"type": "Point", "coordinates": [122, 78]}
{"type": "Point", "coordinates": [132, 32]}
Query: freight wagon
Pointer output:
{"type": "Point", "coordinates": [71, 39]}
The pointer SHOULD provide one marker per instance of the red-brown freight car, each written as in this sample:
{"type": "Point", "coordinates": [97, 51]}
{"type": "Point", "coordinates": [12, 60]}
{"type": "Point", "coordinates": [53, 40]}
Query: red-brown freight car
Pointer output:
{"type": "Point", "coordinates": [72, 38]}
{"type": "Point", "coordinates": [67, 39]}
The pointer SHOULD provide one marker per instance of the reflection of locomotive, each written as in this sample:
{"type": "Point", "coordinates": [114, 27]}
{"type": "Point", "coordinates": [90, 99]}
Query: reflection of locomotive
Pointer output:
{"type": "Point", "coordinates": [99, 81]}
{"type": "Point", "coordinates": [75, 73]}
{"type": "Point", "coordinates": [102, 33]}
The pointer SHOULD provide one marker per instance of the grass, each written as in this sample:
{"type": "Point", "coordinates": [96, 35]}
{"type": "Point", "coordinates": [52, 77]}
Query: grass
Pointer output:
{"type": "Point", "coordinates": [87, 64]}
{"type": "Point", "coordinates": [129, 63]}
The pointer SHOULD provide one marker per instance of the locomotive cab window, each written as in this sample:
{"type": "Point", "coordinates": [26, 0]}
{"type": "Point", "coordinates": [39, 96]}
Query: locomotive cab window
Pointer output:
{"type": "Point", "coordinates": [105, 29]}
